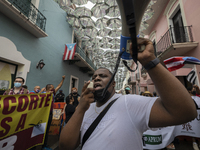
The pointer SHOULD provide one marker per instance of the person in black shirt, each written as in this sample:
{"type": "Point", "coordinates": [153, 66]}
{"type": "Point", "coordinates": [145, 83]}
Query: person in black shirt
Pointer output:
{"type": "Point", "coordinates": [60, 96]}
{"type": "Point", "coordinates": [74, 94]}
{"type": "Point", "coordinates": [69, 109]}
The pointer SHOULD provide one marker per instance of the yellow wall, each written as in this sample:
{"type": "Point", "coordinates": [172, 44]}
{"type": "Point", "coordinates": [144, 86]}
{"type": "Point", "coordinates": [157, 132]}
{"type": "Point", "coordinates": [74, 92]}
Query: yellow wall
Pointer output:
{"type": "Point", "coordinates": [5, 74]}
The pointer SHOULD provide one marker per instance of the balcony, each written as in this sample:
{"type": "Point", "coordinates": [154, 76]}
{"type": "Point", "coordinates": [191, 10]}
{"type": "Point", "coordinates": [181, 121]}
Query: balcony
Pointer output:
{"type": "Point", "coordinates": [24, 13]}
{"type": "Point", "coordinates": [175, 42]}
{"type": "Point", "coordinates": [83, 62]}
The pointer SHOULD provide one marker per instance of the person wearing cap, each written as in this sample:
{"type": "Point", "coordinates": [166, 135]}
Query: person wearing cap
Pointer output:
{"type": "Point", "coordinates": [60, 96]}
{"type": "Point", "coordinates": [127, 90]}
{"type": "Point", "coordinates": [147, 93]}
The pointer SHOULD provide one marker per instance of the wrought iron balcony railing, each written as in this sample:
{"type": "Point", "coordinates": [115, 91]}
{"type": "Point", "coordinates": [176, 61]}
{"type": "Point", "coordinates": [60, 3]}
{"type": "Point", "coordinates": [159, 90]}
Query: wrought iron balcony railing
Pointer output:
{"type": "Point", "coordinates": [174, 35]}
{"type": "Point", "coordinates": [31, 12]}
{"type": "Point", "coordinates": [81, 52]}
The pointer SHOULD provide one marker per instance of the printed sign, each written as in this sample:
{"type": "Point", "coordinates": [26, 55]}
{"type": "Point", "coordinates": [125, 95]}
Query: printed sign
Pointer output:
{"type": "Point", "coordinates": [23, 120]}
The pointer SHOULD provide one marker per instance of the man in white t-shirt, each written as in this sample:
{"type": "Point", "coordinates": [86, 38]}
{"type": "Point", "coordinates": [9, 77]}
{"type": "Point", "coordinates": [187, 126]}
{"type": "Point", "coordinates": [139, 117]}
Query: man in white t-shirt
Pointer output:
{"type": "Point", "coordinates": [123, 125]}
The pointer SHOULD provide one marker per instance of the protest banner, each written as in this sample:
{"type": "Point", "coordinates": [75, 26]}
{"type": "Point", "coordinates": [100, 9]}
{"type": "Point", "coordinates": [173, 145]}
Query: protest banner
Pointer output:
{"type": "Point", "coordinates": [23, 120]}
{"type": "Point", "coordinates": [161, 137]}
{"type": "Point", "coordinates": [58, 118]}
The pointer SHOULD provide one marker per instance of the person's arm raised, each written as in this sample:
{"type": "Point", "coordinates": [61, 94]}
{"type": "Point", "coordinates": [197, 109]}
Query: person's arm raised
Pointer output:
{"type": "Point", "coordinates": [175, 105]}
{"type": "Point", "coordinates": [70, 135]}
{"type": "Point", "coordinates": [60, 84]}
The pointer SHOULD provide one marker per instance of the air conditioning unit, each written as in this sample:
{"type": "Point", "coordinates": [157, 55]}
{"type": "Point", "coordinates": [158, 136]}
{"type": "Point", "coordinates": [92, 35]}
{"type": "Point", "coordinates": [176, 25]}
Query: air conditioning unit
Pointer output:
{"type": "Point", "coordinates": [138, 77]}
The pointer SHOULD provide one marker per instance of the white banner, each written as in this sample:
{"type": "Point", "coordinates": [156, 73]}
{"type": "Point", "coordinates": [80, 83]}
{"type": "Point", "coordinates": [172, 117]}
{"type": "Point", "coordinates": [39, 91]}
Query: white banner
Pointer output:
{"type": "Point", "coordinates": [160, 138]}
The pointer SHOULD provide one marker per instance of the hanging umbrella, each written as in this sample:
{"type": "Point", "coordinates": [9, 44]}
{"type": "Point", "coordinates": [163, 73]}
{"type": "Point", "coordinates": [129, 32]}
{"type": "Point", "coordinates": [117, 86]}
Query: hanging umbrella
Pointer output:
{"type": "Point", "coordinates": [105, 40]}
{"type": "Point", "coordinates": [91, 32]}
{"type": "Point", "coordinates": [116, 46]}
{"type": "Point", "coordinates": [115, 41]}
{"type": "Point", "coordinates": [96, 1]}
{"type": "Point", "coordinates": [79, 2]}
{"type": "Point", "coordinates": [99, 10]}
{"type": "Point", "coordinates": [107, 53]}
{"type": "Point", "coordinates": [104, 32]}
{"type": "Point", "coordinates": [113, 11]}
{"type": "Point", "coordinates": [101, 23]}
{"type": "Point", "coordinates": [114, 23]}
{"type": "Point", "coordinates": [69, 11]}
{"type": "Point", "coordinates": [63, 2]}
{"type": "Point", "coordinates": [87, 22]}
{"type": "Point", "coordinates": [78, 32]}
{"type": "Point", "coordinates": [98, 51]}
{"type": "Point", "coordinates": [83, 11]}
{"type": "Point", "coordinates": [95, 46]}
{"type": "Point", "coordinates": [73, 21]}
{"type": "Point", "coordinates": [106, 45]}
{"type": "Point", "coordinates": [111, 2]}
{"type": "Point", "coordinates": [95, 40]}
{"type": "Point", "coordinates": [115, 33]}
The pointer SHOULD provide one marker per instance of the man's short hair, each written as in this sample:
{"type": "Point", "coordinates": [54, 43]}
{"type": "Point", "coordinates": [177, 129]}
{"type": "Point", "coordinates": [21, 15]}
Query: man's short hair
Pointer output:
{"type": "Point", "coordinates": [48, 86]}
{"type": "Point", "coordinates": [20, 78]}
{"type": "Point", "coordinates": [24, 86]}
{"type": "Point", "coordinates": [106, 69]}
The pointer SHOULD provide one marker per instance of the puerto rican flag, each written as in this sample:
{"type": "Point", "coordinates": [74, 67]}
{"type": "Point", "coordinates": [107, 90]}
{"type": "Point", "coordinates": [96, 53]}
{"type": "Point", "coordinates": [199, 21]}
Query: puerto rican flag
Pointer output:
{"type": "Point", "coordinates": [175, 63]}
{"type": "Point", "coordinates": [69, 51]}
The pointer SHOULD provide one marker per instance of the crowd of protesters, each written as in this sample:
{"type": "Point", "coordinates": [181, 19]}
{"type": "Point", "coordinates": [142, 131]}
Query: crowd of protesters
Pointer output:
{"type": "Point", "coordinates": [72, 101]}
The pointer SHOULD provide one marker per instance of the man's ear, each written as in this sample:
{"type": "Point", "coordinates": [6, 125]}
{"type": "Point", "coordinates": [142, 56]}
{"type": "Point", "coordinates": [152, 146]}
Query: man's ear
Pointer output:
{"type": "Point", "coordinates": [113, 83]}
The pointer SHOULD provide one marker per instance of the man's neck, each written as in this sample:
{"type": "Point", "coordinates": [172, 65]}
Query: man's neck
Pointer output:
{"type": "Point", "coordinates": [16, 89]}
{"type": "Point", "coordinates": [100, 103]}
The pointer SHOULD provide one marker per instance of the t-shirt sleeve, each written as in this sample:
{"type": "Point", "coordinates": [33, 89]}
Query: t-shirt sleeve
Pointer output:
{"type": "Point", "coordinates": [139, 109]}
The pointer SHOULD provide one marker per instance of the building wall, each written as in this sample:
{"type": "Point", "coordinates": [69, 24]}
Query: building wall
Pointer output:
{"type": "Point", "coordinates": [50, 48]}
{"type": "Point", "coordinates": [190, 12]}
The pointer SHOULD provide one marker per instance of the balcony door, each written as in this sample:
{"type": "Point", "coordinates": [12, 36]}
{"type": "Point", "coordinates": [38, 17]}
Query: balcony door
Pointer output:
{"type": "Point", "coordinates": [179, 28]}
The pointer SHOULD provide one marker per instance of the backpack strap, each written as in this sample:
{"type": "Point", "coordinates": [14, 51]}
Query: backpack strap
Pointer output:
{"type": "Point", "coordinates": [96, 122]}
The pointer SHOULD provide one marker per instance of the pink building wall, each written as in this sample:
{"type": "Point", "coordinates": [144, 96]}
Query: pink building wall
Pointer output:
{"type": "Point", "coordinates": [192, 14]}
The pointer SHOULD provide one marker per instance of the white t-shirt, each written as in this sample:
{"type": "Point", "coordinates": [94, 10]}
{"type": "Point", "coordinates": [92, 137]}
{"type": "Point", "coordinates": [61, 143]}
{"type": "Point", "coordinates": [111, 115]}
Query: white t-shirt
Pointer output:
{"type": "Point", "coordinates": [197, 100]}
{"type": "Point", "coordinates": [122, 126]}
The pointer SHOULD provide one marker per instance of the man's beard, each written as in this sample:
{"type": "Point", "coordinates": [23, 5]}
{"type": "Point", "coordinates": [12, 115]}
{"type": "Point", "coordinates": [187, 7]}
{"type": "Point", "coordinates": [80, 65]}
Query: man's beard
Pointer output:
{"type": "Point", "coordinates": [98, 95]}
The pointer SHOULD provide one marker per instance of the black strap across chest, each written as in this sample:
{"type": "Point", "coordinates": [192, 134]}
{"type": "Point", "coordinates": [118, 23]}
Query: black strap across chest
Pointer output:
{"type": "Point", "coordinates": [96, 122]}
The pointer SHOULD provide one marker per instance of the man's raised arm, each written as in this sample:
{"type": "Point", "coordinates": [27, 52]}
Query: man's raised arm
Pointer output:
{"type": "Point", "coordinates": [60, 84]}
{"type": "Point", "coordinates": [175, 105]}
{"type": "Point", "coordinates": [70, 135]}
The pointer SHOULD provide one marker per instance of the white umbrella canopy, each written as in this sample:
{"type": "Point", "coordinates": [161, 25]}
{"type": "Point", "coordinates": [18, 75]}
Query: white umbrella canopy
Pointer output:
{"type": "Point", "coordinates": [79, 2]}
{"type": "Point", "coordinates": [99, 10]}
{"type": "Point", "coordinates": [73, 21]}
{"type": "Point", "coordinates": [98, 51]}
{"type": "Point", "coordinates": [104, 32]}
{"type": "Point", "coordinates": [69, 11]}
{"type": "Point", "coordinates": [91, 32]}
{"type": "Point", "coordinates": [113, 11]}
{"type": "Point", "coordinates": [111, 2]}
{"type": "Point", "coordinates": [114, 23]}
{"type": "Point", "coordinates": [115, 46]}
{"type": "Point", "coordinates": [114, 41]}
{"type": "Point", "coordinates": [87, 22]}
{"type": "Point", "coordinates": [106, 45]}
{"type": "Point", "coordinates": [83, 11]}
{"type": "Point", "coordinates": [96, 1]}
{"type": "Point", "coordinates": [115, 33]}
{"type": "Point", "coordinates": [105, 40]}
{"type": "Point", "coordinates": [101, 23]}
{"type": "Point", "coordinates": [63, 3]}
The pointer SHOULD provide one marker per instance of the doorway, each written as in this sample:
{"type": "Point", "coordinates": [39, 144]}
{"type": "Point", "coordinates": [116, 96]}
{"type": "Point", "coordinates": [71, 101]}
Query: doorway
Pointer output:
{"type": "Point", "coordinates": [73, 83]}
{"type": "Point", "coordinates": [179, 30]}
